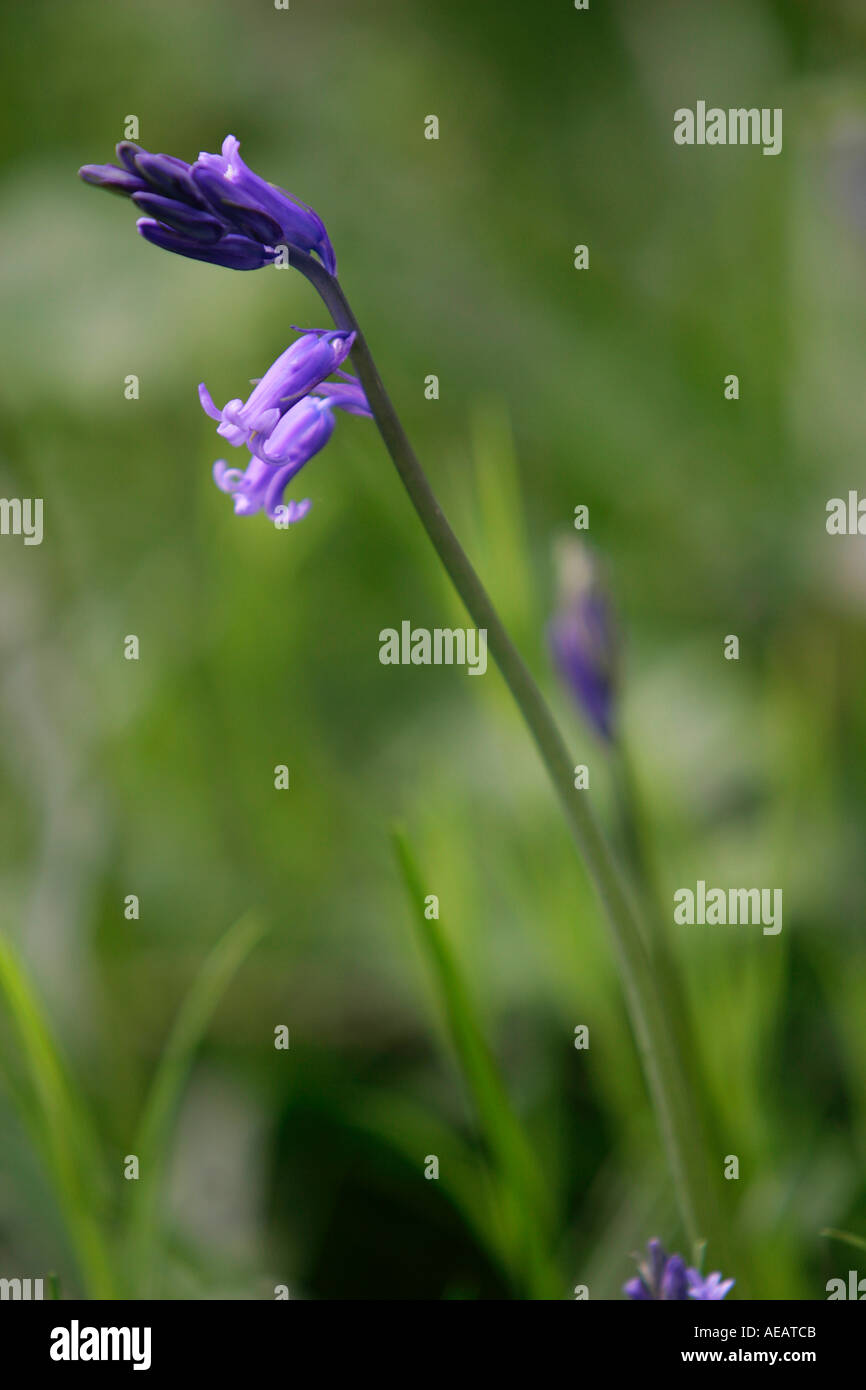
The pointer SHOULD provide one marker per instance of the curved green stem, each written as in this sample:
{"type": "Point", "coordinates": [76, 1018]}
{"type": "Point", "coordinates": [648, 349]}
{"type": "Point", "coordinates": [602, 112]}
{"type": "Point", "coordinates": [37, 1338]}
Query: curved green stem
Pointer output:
{"type": "Point", "coordinates": [664, 1074]}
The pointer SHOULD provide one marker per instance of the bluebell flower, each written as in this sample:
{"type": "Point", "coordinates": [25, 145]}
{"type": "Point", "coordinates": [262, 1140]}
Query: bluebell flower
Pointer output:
{"type": "Point", "coordinates": [303, 366]}
{"type": "Point", "coordinates": [348, 394]}
{"type": "Point", "coordinates": [215, 210]}
{"type": "Point", "coordinates": [287, 418]}
{"type": "Point", "coordinates": [277, 458]}
{"type": "Point", "coordinates": [582, 637]}
{"type": "Point", "coordinates": [664, 1277]}
{"type": "Point", "coordinates": [298, 435]}
{"type": "Point", "coordinates": [260, 487]}
{"type": "Point", "coordinates": [218, 210]}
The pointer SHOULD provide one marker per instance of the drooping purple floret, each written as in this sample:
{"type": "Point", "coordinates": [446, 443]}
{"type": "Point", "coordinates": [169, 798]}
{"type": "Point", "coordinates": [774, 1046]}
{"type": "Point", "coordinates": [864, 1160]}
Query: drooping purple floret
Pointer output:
{"type": "Point", "coordinates": [666, 1278]}
{"type": "Point", "coordinates": [215, 210]}
{"type": "Point", "coordinates": [287, 418]}
{"type": "Point", "coordinates": [276, 459]}
{"type": "Point", "coordinates": [303, 366]}
{"type": "Point", "coordinates": [582, 638]}
{"type": "Point", "coordinates": [260, 487]}
{"type": "Point", "coordinates": [298, 435]}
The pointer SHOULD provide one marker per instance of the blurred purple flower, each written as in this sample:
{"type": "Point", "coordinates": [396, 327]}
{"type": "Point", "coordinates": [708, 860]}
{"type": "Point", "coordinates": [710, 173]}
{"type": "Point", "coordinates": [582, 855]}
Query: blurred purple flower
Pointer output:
{"type": "Point", "coordinates": [582, 637]}
{"type": "Point", "coordinates": [714, 1287]}
{"type": "Point", "coordinates": [663, 1277]}
{"type": "Point", "coordinates": [214, 210]}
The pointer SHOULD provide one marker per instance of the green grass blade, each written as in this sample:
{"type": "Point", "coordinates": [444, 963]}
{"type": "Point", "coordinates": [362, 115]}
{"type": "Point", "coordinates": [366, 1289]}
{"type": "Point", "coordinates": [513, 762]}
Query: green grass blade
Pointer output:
{"type": "Point", "coordinates": [857, 1241]}
{"type": "Point", "coordinates": [154, 1131]}
{"type": "Point", "coordinates": [56, 1115]}
{"type": "Point", "coordinates": [523, 1200]}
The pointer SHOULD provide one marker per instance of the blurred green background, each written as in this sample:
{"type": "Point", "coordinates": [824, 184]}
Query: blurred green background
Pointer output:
{"type": "Point", "coordinates": [306, 1167]}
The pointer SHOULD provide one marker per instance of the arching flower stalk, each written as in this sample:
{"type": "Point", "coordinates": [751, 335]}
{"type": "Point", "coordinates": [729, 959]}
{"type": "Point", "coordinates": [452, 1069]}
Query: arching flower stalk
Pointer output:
{"type": "Point", "coordinates": [217, 210]}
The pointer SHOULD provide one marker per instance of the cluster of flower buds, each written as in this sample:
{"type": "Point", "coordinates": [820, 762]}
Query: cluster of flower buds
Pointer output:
{"type": "Point", "coordinates": [287, 418]}
{"type": "Point", "coordinates": [214, 210]}
{"type": "Point", "coordinates": [666, 1277]}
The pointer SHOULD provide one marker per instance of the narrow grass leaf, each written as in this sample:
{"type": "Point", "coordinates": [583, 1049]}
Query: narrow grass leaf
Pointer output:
{"type": "Point", "coordinates": [523, 1200]}
{"type": "Point", "coordinates": [57, 1116]}
{"type": "Point", "coordinates": [154, 1131]}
